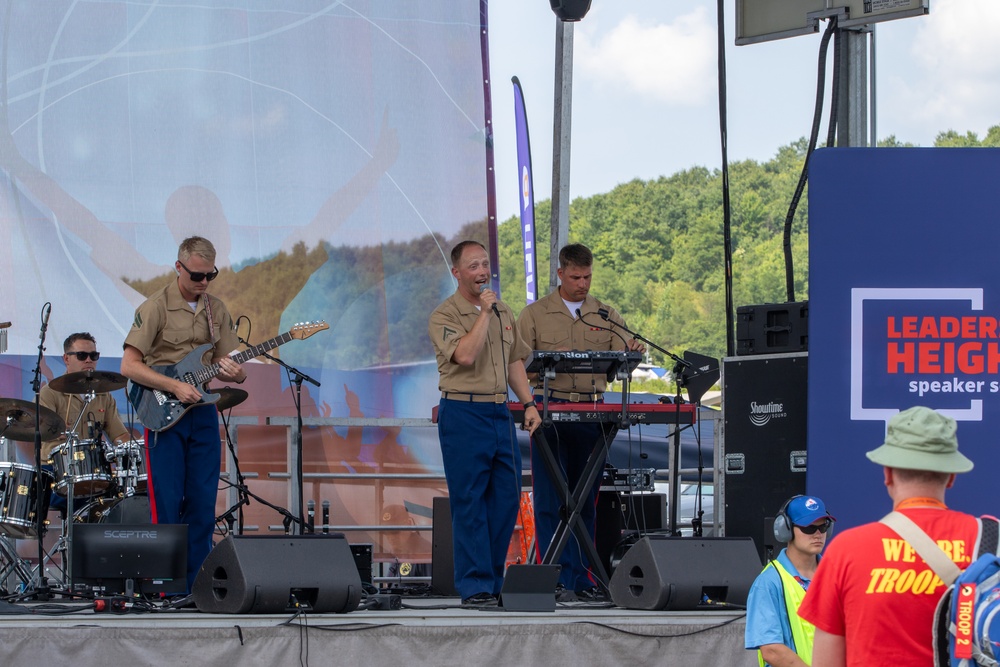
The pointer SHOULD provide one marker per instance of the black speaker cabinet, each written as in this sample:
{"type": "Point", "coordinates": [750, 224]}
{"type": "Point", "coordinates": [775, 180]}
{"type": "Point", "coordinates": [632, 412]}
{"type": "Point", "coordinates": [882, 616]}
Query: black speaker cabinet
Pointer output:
{"type": "Point", "coordinates": [764, 445]}
{"type": "Point", "coordinates": [618, 512]}
{"type": "Point", "coordinates": [273, 574]}
{"type": "Point", "coordinates": [442, 549]}
{"type": "Point", "coordinates": [685, 573]}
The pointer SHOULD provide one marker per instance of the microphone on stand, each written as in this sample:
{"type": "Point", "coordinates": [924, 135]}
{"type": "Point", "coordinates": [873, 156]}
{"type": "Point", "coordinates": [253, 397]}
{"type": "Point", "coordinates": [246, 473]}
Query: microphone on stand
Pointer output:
{"type": "Point", "coordinates": [45, 320]}
{"type": "Point", "coordinates": [483, 288]}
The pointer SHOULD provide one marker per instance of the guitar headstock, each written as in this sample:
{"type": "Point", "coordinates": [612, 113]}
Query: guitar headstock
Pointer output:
{"type": "Point", "coordinates": [303, 330]}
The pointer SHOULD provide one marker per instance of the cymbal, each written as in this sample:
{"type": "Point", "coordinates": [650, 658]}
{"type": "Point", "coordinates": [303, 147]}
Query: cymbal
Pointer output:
{"type": "Point", "coordinates": [99, 382]}
{"type": "Point", "coordinates": [19, 419]}
{"type": "Point", "coordinates": [229, 397]}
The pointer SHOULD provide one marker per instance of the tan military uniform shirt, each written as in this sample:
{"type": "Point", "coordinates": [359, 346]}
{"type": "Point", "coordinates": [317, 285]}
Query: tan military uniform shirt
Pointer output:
{"type": "Point", "coordinates": [547, 324]}
{"type": "Point", "coordinates": [166, 329]}
{"type": "Point", "coordinates": [68, 406]}
{"type": "Point", "coordinates": [453, 319]}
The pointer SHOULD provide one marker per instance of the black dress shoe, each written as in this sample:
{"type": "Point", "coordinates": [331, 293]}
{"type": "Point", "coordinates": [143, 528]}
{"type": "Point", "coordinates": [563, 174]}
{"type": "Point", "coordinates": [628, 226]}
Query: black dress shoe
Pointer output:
{"type": "Point", "coordinates": [480, 600]}
{"type": "Point", "coordinates": [592, 594]}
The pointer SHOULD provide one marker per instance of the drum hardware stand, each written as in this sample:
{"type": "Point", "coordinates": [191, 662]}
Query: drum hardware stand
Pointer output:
{"type": "Point", "coordinates": [41, 591]}
{"type": "Point", "coordinates": [15, 565]}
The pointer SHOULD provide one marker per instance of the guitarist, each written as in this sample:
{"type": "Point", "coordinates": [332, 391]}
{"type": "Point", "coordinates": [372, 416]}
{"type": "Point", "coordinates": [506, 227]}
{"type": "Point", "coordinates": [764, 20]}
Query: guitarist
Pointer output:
{"type": "Point", "coordinates": [183, 462]}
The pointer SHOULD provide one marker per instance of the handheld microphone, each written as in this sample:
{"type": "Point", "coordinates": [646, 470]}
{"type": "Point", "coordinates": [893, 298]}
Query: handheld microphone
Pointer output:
{"type": "Point", "coordinates": [326, 516]}
{"type": "Point", "coordinates": [311, 511]}
{"type": "Point", "coordinates": [603, 313]}
{"type": "Point", "coordinates": [483, 288]}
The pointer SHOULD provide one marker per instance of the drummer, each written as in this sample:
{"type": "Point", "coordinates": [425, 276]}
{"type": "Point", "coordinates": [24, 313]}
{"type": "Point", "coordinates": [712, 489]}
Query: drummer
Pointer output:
{"type": "Point", "coordinates": [80, 354]}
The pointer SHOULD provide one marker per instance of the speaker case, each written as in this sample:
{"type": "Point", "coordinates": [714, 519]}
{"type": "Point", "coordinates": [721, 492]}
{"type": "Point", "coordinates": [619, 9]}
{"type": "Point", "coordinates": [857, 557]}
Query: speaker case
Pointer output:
{"type": "Point", "coordinates": [259, 575]}
{"type": "Point", "coordinates": [676, 573]}
{"type": "Point", "coordinates": [763, 462]}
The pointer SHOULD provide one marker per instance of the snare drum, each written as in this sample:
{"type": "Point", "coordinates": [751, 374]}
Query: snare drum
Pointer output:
{"type": "Point", "coordinates": [83, 462]}
{"type": "Point", "coordinates": [20, 504]}
{"type": "Point", "coordinates": [133, 509]}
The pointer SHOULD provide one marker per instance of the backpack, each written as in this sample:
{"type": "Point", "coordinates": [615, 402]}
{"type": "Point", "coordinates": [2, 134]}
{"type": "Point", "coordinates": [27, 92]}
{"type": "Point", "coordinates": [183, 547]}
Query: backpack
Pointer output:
{"type": "Point", "coordinates": [967, 620]}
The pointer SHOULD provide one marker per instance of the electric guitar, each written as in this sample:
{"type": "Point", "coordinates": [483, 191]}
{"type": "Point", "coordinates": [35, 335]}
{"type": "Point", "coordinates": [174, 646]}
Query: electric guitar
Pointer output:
{"type": "Point", "coordinates": [159, 410]}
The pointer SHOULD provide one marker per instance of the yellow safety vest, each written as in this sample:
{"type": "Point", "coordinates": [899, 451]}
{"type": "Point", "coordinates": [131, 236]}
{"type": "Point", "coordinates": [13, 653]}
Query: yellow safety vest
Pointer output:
{"type": "Point", "coordinates": [802, 631]}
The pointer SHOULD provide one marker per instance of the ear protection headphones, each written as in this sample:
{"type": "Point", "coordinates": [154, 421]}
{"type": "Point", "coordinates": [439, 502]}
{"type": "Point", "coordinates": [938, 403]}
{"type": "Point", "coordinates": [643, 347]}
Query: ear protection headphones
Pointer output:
{"type": "Point", "coordinates": [783, 523]}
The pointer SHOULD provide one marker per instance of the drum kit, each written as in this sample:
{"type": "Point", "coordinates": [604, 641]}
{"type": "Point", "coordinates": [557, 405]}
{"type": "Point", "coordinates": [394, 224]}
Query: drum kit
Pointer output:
{"type": "Point", "coordinates": [108, 480]}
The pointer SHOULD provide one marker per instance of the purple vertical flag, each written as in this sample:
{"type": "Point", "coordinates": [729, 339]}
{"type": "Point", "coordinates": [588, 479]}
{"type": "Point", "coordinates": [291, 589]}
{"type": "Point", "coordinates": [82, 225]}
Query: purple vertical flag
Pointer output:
{"type": "Point", "coordinates": [527, 193]}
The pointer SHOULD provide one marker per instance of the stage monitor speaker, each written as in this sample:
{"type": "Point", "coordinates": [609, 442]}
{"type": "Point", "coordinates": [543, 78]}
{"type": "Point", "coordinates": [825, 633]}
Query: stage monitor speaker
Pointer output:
{"type": "Point", "coordinates": [685, 573]}
{"type": "Point", "coordinates": [442, 549]}
{"type": "Point", "coordinates": [274, 574]}
{"type": "Point", "coordinates": [530, 588]}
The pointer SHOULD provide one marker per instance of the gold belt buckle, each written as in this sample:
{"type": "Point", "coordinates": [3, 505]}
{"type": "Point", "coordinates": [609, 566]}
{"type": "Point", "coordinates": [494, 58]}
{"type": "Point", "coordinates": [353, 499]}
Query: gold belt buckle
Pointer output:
{"type": "Point", "coordinates": [499, 398]}
{"type": "Point", "coordinates": [574, 397]}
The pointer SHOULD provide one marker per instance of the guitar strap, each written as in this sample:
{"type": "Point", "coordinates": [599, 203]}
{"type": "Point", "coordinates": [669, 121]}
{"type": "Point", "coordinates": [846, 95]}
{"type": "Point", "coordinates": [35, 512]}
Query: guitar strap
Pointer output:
{"type": "Point", "coordinates": [211, 320]}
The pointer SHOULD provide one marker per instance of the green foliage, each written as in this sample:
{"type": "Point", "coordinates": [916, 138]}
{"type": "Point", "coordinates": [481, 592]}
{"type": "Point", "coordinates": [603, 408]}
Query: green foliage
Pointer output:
{"type": "Point", "coordinates": [952, 139]}
{"type": "Point", "coordinates": [659, 248]}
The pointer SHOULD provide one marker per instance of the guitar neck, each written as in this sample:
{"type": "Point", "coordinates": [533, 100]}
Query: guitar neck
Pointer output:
{"type": "Point", "coordinates": [209, 372]}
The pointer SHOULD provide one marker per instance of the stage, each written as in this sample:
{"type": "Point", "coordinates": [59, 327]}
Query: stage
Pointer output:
{"type": "Point", "coordinates": [426, 631]}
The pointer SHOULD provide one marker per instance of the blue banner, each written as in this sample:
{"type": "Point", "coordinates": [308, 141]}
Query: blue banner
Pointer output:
{"type": "Point", "coordinates": [904, 310]}
{"type": "Point", "coordinates": [527, 193]}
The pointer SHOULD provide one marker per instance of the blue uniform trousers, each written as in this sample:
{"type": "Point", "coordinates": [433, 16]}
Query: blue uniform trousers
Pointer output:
{"type": "Point", "coordinates": [572, 445]}
{"type": "Point", "coordinates": [183, 465]}
{"type": "Point", "coordinates": [482, 465]}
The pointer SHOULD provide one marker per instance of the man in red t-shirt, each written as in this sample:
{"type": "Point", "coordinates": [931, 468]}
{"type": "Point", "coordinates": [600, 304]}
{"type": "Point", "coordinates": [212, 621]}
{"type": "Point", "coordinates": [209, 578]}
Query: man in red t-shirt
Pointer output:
{"type": "Point", "coordinates": [873, 598]}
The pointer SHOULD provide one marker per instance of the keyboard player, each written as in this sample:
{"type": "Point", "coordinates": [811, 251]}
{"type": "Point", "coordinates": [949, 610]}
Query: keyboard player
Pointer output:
{"type": "Point", "coordinates": [568, 319]}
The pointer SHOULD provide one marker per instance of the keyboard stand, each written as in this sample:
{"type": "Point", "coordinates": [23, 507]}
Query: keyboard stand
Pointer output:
{"type": "Point", "coordinates": [547, 366]}
{"type": "Point", "coordinates": [571, 518]}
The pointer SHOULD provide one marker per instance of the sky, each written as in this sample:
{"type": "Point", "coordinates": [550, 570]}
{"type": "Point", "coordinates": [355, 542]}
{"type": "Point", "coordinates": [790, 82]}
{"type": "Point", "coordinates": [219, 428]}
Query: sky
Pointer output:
{"type": "Point", "coordinates": [645, 87]}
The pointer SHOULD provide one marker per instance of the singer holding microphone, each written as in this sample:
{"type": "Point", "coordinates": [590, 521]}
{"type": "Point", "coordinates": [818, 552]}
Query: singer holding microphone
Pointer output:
{"type": "Point", "coordinates": [569, 319]}
{"type": "Point", "coordinates": [479, 354]}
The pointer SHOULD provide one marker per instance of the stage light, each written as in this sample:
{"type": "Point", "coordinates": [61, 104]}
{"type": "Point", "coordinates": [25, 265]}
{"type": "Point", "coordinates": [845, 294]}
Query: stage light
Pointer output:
{"type": "Point", "coordinates": [570, 10]}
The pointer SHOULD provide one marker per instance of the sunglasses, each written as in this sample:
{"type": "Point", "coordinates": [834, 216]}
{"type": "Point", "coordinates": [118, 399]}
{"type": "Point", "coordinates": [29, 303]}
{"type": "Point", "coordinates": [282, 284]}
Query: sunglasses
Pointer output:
{"type": "Point", "coordinates": [83, 356]}
{"type": "Point", "coordinates": [811, 529]}
{"type": "Point", "coordinates": [198, 276]}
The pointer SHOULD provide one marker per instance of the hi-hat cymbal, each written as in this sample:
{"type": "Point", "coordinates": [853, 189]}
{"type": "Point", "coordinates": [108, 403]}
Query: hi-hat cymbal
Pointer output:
{"type": "Point", "coordinates": [17, 421]}
{"type": "Point", "coordinates": [229, 397]}
{"type": "Point", "coordinates": [99, 382]}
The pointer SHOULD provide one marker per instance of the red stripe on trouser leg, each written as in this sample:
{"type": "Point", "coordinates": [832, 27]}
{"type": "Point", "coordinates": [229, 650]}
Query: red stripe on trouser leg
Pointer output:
{"type": "Point", "coordinates": [149, 476]}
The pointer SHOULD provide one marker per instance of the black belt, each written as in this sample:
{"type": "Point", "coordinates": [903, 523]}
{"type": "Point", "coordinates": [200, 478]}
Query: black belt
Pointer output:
{"type": "Point", "coordinates": [474, 398]}
{"type": "Point", "coordinates": [575, 397]}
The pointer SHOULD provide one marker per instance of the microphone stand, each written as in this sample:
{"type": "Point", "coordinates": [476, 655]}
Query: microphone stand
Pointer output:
{"type": "Point", "coordinates": [245, 494]}
{"type": "Point", "coordinates": [675, 460]}
{"type": "Point", "coordinates": [42, 591]}
{"type": "Point", "coordinates": [299, 377]}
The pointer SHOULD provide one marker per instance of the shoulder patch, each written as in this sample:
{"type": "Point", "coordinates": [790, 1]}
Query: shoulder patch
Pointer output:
{"type": "Point", "coordinates": [447, 332]}
{"type": "Point", "coordinates": [137, 322]}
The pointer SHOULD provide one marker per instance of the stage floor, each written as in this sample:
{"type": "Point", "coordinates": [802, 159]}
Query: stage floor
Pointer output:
{"type": "Point", "coordinates": [426, 631]}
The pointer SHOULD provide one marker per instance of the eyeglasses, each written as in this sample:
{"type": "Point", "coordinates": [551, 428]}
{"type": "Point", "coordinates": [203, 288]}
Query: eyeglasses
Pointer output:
{"type": "Point", "coordinates": [198, 276]}
{"type": "Point", "coordinates": [811, 529]}
{"type": "Point", "coordinates": [83, 356]}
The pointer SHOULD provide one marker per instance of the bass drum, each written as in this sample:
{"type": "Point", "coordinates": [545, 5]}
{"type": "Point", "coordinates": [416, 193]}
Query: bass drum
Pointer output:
{"type": "Point", "coordinates": [133, 509]}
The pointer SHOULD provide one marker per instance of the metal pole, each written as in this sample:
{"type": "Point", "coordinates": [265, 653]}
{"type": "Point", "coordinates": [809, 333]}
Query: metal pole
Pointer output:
{"type": "Point", "coordinates": [561, 127]}
{"type": "Point", "coordinates": [852, 111]}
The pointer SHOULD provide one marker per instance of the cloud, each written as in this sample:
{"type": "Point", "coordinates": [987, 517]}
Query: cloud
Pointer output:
{"type": "Point", "coordinates": [957, 60]}
{"type": "Point", "coordinates": [669, 62]}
